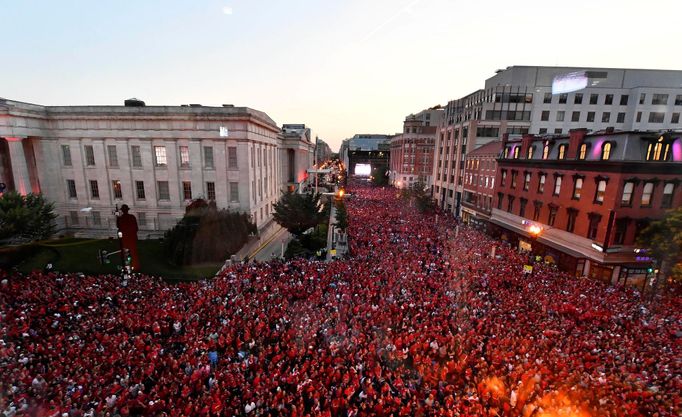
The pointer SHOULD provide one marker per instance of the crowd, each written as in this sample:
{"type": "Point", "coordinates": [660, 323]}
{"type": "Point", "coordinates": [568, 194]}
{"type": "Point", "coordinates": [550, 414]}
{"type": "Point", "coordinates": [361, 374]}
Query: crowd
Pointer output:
{"type": "Point", "coordinates": [420, 321]}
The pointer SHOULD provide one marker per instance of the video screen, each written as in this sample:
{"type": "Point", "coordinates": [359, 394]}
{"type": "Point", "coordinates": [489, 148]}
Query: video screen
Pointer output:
{"type": "Point", "coordinates": [363, 170]}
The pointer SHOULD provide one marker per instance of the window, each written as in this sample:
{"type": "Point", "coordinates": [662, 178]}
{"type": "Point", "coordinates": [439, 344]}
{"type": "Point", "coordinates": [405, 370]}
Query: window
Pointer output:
{"type": "Point", "coordinates": [668, 190]}
{"type": "Point", "coordinates": [89, 156]}
{"type": "Point", "coordinates": [551, 218]}
{"type": "Point", "coordinates": [558, 131]}
{"type": "Point", "coordinates": [577, 188]}
{"type": "Point", "coordinates": [208, 157]}
{"type": "Point", "coordinates": [560, 116]}
{"type": "Point", "coordinates": [139, 190]}
{"type": "Point", "coordinates": [563, 98]}
{"type": "Point", "coordinates": [210, 191]}
{"type": "Point", "coordinates": [530, 152]}
{"type": "Point", "coordinates": [142, 218]}
{"type": "Point", "coordinates": [646, 194]}
{"type": "Point", "coordinates": [516, 151]}
{"type": "Point", "coordinates": [542, 131]}
{"type": "Point", "coordinates": [164, 193]}
{"type": "Point", "coordinates": [624, 100]}
{"type": "Point", "coordinates": [557, 184]}
{"type": "Point", "coordinates": [593, 227]}
{"type": "Point", "coordinates": [137, 156]}
{"type": "Point", "coordinates": [678, 100]}
{"type": "Point", "coordinates": [234, 192]}
{"type": "Point", "coordinates": [578, 99]}
{"type": "Point", "coordinates": [500, 197]}
{"type": "Point", "coordinates": [160, 156]}
{"type": "Point", "coordinates": [639, 116]}
{"type": "Point", "coordinates": [590, 116]}
{"type": "Point", "coordinates": [522, 207]}
{"type": "Point", "coordinates": [96, 218]}
{"type": "Point", "coordinates": [538, 209]}
{"type": "Point", "coordinates": [66, 155]}
{"type": "Point", "coordinates": [184, 157]}
{"type": "Point", "coordinates": [116, 187]}
{"type": "Point", "coordinates": [642, 98]}
{"type": "Point", "coordinates": [489, 132]}
{"type": "Point", "coordinates": [675, 118]}
{"type": "Point", "coordinates": [545, 151]}
{"type": "Point", "coordinates": [605, 117]}
{"type": "Point", "coordinates": [547, 98]}
{"type": "Point", "coordinates": [570, 221]}
{"type": "Point", "coordinates": [75, 221]}
{"type": "Point", "coordinates": [71, 187]}
{"type": "Point", "coordinates": [510, 203]}
{"type": "Point", "coordinates": [544, 116]}
{"type": "Point", "coordinates": [562, 151]}
{"type": "Point", "coordinates": [620, 118]}
{"type": "Point", "coordinates": [575, 116]}
{"type": "Point", "coordinates": [503, 179]}
{"type": "Point", "coordinates": [186, 190]}
{"type": "Point", "coordinates": [513, 179]}
{"type": "Point", "coordinates": [541, 183]}
{"type": "Point", "coordinates": [113, 156]}
{"type": "Point", "coordinates": [606, 151]}
{"type": "Point", "coordinates": [626, 199]}
{"type": "Point", "coordinates": [656, 117]}
{"type": "Point", "coordinates": [608, 100]}
{"type": "Point", "coordinates": [232, 157]}
{"type": "Point", "coordinates": [601, 192]}
{"type": "Point", "coordinates": [94, 189]}
{"type": "Point", "coordinates": [594, 98]}
{"type": "Point", "coordinates": [526, 181]}
{"type": "Point", "coordinates": [658, 151]}
{"type": "Point", "coordinates": [621, 231]}
{"type": "Point", "coordinates": [660, 99]}
{"type": "Point", "coordinates": [583, 151]}
{"type": "Point", "coordinates": [506, 152]}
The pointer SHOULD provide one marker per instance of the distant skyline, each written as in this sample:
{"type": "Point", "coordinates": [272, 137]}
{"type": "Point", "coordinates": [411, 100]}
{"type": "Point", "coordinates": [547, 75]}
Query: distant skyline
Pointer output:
{"type": "Point", "coordinates": [340, 67]}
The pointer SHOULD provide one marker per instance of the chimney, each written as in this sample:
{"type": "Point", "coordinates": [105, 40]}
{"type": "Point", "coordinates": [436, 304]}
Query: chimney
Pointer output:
{"type": "Point", "coordinates": [575, 139]}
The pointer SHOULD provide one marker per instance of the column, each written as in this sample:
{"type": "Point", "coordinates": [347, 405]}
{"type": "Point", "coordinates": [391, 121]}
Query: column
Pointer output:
{"type": "Point", "coordinates": [22, 180]}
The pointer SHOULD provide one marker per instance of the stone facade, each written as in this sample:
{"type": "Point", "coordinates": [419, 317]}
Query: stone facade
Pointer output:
{"type": "Point", "coordinates": [155, 159]}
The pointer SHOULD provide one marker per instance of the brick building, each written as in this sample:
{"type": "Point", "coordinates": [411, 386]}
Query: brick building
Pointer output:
{"type": "Point", "coordinates": [590, 193]}
{"type": "Point", "coordinates": [480, 168]}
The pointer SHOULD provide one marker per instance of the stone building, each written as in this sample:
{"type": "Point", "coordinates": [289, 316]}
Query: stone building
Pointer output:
{"type": "Point", "coordinates": [155, 159]}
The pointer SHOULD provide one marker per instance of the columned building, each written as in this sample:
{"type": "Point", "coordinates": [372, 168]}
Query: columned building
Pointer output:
{"type": "Point", "coordinates": [298, 154]}
{"type": "Point", "coordinates": [588, 195]}
{"type": "Point", "coordinates": [90, 159]}
{"type": "Point", "coordinates": [550, 101]}
{"type": "Point", "coordinates": [411, 157]}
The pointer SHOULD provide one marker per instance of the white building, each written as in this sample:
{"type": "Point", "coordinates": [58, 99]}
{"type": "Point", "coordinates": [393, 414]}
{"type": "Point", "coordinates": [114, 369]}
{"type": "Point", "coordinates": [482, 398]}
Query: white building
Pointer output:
{"type": "Point", "coordinates": [549, 101]}
{"type": "Point", "coordinates": [155, 159]}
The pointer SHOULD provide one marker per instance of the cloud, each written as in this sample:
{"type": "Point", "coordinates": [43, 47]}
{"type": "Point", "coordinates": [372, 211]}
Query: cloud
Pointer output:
{"type": "Point", "coordinates": [227, 10]}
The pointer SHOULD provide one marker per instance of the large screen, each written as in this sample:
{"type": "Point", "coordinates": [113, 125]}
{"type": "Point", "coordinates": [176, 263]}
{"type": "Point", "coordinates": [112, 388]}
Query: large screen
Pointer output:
{"type": "Point", "coordinates": [363, 170]}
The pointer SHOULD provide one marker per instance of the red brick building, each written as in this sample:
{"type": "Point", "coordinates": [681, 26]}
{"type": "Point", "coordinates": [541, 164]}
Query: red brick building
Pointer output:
{"type": "Point", "coordinates": [480, 168]}
{"type": "Point", "coordinates": [590, 193]}
{"type": "Point", "coordinates": [411, 157]}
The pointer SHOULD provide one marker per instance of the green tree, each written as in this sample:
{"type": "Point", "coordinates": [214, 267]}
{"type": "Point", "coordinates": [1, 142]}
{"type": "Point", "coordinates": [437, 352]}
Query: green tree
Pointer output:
{"type": "Point", "coordinates": [341, 215]}
{"type": "Point", "coordinates": [206, 234]}
{"type": "Point", "coordinates": [299, 212]}
{"type": "Point", "coordinates": [26, 218]}
{"type": "Point", "coordinates": [379, 177]}
{"type": "Point", "coordinates": [663, 239]}
{"type": "Point", "coordinates": [418, 193]}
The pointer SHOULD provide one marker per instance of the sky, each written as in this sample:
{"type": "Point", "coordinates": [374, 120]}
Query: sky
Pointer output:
{"type": "Point", "coordinates": [340, 67]}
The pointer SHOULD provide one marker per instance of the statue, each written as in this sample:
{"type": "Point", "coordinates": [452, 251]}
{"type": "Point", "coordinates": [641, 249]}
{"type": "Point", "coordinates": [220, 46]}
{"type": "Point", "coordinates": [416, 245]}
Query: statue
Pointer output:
{"type": "Point", "coordinates": [127, 226]}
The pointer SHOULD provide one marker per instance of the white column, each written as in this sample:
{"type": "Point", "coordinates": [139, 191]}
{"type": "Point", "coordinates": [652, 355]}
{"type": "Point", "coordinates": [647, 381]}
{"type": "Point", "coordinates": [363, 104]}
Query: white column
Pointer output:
{"type": "Point", "coordinates": [22, 180]}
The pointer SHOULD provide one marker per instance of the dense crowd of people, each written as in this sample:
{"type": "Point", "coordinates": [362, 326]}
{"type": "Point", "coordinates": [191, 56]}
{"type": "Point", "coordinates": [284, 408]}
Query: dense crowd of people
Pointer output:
{"type": "Point", "coordinates": [421, 320]}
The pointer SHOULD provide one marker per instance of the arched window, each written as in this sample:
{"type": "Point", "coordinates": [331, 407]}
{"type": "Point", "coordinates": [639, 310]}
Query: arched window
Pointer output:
{"type": "Point", "coordinates": [583, 151]}
{"type": "Point", "coordinates": [545, 152]}
{"type": "Point", "coordinates": [531, 150]}
{"type": "Point", "coordinates": [516, 152]}
{"type": "Point", "coordinates": [659, 150]}
{"type": "Point", "coordinates": [606, 151]}
{"type": "Point", "coordinates": [562, 151]}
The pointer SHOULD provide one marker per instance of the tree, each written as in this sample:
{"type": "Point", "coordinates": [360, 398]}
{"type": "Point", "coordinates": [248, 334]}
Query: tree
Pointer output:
{"type": "Point", "coordinates": [421, 197]}
{"type": "Point", "coordinates": [341, 215]}
{"type": "Point", "coordinates": [299, 212]}
{"type": "Point", "coordinates": [26, 218]}
{"type": "Point", "coordinates": [206, 234]}
{"type": "Point", "coordinates": [663, 240]}
{"type": "Point", "coordinates": [379, 177]}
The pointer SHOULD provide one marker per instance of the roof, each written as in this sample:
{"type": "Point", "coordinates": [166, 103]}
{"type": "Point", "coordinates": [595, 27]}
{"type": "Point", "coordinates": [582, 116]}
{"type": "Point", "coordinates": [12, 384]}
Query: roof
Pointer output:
{"type": "Point", "coordinates": [492, 148]}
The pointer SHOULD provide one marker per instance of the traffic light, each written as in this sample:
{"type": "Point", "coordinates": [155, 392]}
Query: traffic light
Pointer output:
{"type": "Point", "coordinates": [127, 257]}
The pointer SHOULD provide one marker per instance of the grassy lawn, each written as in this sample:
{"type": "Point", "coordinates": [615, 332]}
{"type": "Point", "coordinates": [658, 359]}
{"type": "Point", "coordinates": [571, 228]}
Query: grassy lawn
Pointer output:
{"type": "Point", "coordinates": [80, 255]}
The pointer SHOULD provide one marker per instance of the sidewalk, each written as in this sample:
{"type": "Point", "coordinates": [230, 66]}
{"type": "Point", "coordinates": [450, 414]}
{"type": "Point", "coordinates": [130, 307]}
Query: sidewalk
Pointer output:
{"type": "Point", "coordinates": [254, 244]}
{"type": "Point", "coordinates": [336, 247]}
